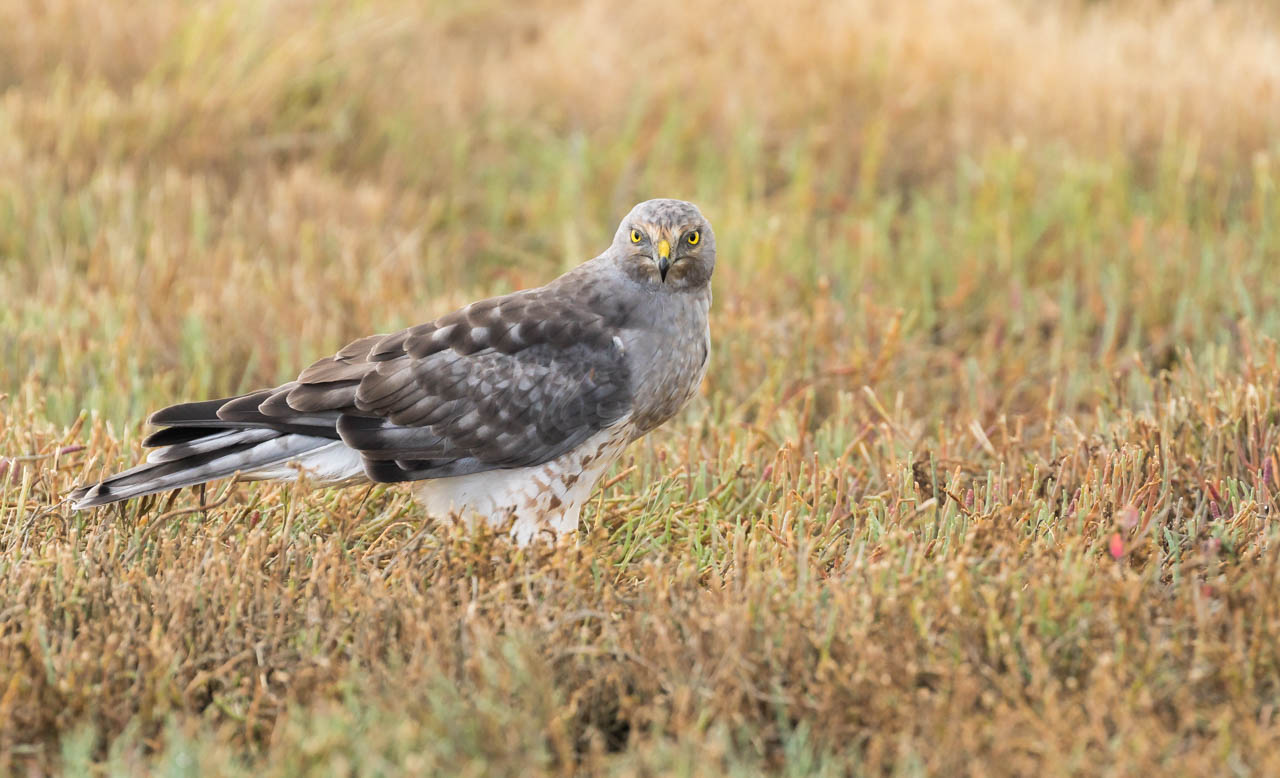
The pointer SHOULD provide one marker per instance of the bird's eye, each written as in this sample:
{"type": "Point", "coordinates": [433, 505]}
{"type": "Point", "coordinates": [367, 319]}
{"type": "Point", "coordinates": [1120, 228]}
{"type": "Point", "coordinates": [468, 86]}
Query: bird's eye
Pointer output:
{"type": "Point", "coordinates": [693, 238]}
{"type": "Point", "coordinates": [636, 236]}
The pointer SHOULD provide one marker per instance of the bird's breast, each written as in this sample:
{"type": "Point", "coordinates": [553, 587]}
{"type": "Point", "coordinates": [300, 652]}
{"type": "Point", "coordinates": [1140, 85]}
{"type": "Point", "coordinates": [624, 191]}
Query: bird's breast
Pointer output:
{"type": "Point", "coordinates": [668, 359]}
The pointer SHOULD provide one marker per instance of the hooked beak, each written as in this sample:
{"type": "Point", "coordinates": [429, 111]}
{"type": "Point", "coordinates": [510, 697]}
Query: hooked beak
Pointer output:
{"type": "Point", "coordinates": [664, 258]}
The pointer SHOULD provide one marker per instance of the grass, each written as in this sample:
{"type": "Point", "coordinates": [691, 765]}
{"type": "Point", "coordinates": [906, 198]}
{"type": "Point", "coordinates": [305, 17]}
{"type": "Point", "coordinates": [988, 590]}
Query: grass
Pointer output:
{"type": "Point", "coordinates": [980, 480]}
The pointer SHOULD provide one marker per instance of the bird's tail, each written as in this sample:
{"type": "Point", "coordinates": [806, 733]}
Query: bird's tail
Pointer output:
{"type": "Point", "coordinates": [201, 447]}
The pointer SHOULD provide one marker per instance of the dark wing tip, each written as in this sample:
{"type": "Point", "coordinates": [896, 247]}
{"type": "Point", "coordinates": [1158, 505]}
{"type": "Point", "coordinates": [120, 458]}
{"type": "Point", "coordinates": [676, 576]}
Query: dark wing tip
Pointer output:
{"type": "Point", "coordinates": [92, 496]}
{"type": "Point", "coordinates": [389, 471]}
{"type": "Point", "coordinates": [188, 413]}
{"type": "Point", "coordinates": [244, 407]}
{"type": "Point", "coordinates": [170, 436]}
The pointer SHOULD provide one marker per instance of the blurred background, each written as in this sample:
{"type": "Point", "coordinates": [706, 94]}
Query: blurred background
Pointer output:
{"type": "Point", "coordinates": [196, 198]}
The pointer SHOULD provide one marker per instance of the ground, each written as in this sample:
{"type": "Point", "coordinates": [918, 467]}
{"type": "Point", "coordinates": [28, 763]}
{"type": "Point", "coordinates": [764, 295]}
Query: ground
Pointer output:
{"type": "Point", "coordinates": [980, 480]}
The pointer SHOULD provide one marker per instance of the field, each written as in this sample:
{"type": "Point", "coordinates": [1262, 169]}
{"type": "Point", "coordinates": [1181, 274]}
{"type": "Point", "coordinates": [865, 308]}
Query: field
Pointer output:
{"type": "Point", "coordinates": [980, 480]}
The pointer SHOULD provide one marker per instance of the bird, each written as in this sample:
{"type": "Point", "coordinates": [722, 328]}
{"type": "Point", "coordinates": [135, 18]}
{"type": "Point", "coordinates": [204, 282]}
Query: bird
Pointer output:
{"type": "Point", "coordinates": [508, 411]}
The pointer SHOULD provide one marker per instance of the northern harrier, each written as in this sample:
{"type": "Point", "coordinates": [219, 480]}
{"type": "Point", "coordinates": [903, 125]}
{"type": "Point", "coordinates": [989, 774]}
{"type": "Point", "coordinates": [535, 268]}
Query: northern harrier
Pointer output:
{"type": "Point", "coordinates": [508, 411]}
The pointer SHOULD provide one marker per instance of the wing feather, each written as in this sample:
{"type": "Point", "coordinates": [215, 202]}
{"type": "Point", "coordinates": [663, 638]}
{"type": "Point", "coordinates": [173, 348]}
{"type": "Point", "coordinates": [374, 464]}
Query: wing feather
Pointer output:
{"type": "Point", "coordinates": [506, 382]}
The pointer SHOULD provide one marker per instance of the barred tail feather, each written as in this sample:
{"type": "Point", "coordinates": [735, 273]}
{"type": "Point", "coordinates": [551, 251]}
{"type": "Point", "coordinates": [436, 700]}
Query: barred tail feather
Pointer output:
{"type": "Point", "coordinates": [256, 453]}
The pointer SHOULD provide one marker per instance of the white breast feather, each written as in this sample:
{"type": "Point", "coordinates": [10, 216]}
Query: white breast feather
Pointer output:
{"type": "Point", "coordinates": [528, 500]}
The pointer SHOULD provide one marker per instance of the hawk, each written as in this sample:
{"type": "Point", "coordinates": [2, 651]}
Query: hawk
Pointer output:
{"type": "Point", "coordinates": [507, 411]}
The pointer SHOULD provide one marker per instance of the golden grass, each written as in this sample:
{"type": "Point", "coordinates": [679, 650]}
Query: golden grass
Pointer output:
{"type": "Point", "coordinates": [980, 480]}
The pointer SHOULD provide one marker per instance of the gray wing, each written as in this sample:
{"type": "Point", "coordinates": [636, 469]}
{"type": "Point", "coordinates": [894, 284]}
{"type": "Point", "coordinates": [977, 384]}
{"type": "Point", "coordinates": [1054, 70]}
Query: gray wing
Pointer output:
{"type": "Point", "coordinates": [508, 382]}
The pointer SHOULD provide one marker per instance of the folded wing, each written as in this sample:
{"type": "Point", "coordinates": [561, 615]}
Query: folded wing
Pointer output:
{"type": "Point", "coordinates": [508, 382]}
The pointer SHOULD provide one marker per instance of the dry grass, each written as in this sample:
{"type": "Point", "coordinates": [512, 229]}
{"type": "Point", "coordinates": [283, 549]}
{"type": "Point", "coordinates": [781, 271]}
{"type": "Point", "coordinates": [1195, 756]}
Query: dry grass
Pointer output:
{"type": "Point", "coordinates": [980, 480]}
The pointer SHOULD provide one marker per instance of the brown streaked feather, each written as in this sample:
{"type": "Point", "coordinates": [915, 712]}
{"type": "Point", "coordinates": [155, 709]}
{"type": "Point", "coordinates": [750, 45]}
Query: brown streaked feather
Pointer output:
{"type": "Point", "coordinates": [392, 346]}
{"type": "Point", "coordinates": [330, 370]}
{"type": "Point", "coordinates": [322, 396]}
{"type": "Point", "coordinates": [358, 349]}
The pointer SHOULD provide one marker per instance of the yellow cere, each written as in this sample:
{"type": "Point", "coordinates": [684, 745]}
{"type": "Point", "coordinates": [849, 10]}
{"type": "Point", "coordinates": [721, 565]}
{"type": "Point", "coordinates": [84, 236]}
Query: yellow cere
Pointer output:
{"type": "Point", "coordinates": [664, 248]}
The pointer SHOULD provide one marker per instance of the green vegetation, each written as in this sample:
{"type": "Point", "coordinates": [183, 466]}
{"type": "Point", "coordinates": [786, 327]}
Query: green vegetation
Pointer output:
{"type": "Point", "coordinates": [980, 480]}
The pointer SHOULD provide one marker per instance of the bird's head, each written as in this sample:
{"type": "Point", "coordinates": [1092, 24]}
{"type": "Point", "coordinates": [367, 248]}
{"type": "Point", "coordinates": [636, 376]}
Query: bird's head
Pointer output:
{"type": "Point", "coordinates": [667, 244]}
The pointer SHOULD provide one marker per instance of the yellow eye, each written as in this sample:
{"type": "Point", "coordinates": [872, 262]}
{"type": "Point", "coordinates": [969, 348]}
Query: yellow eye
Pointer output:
{"type": "Point", "coordinates": [636, 236]}
{"type": "Point", "coordinates": [693, 238]}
